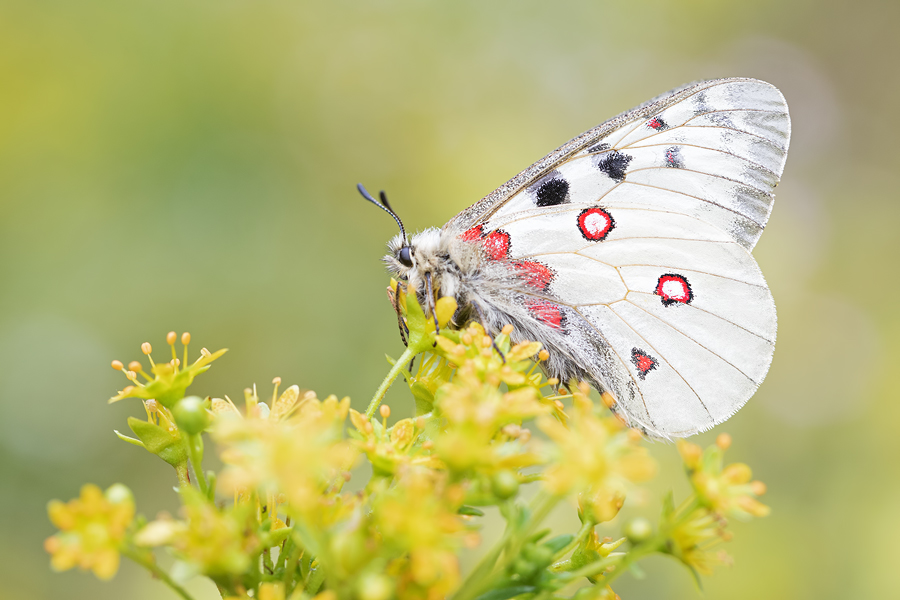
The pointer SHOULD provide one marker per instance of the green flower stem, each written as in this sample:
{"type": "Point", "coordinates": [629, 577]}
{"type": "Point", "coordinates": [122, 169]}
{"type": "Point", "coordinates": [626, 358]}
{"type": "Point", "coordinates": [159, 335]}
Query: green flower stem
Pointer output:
{"type": "Point", "coordinates": [597, 567]}
{"type": "Point", "coordinates": [480, 575]}
{"type": "Point", "coordinates": [181, 471]}
{"type": "Point", "coordinates": [398, 368]}
{"type": "Point", "coordinates": [316, 578]}
{"type": "Point", "coordinates": [293, 554]}
{"type": "Point", "coordinates": [621, 561]}
{"type": "Point", "coordinates": [585, 531]}
{"type": "Point", "coordinates": [540, 506]}
{"type": "Point", "coordinates": [195, 448]}
{"type": "Point", "coordinates": [531, 477]}
{"type": "Point", "coordinates": [509, 546]}
{"type": "Point", "coordinates": [157, 572]}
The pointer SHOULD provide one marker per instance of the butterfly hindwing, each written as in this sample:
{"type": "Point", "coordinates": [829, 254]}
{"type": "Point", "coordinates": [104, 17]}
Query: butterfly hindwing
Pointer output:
{"type": "Point", "coordinates": [632, 242]}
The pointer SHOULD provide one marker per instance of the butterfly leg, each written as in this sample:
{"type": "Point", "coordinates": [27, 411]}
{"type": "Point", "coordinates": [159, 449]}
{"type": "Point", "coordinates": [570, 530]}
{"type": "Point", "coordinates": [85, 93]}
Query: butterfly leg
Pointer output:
{"type": "Point", "coordinates": [429, 300]}
{"type": "Point", "coordinates": [484, 325]}
{"type": "Point", "coordinates": [395, 301]}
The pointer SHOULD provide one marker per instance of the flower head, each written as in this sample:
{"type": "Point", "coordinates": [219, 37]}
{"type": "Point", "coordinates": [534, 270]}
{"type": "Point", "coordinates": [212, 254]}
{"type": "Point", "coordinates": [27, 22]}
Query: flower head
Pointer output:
{"type": "Point", "coordinates": [299, 455]}
{"type": "Point", "coordinates": [481, 423]}
{"type": "Point", "coordinates": [418, 518]}
{"type": "Point", "coordinates": [92, 528]}
{"type": "Point", "coordinates": [215, 541]}
{"type": "Point", "coordinates": [727, 490]}
{"type": "Point", "coordinates": [390, 449]}
{"type": "Point", "coordinates": [170, 379]}
{"type": "Point", "coordinates": [597, 457]}
{"type": "Point", "coordinates": [694, 540]}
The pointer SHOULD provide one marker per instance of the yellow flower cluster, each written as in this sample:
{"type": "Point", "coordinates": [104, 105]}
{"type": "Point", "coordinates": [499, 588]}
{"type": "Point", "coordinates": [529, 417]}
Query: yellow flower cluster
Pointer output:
{"type": "Point", "coordinates": [729, 490]}
{"type": "Point", "coordinates": [91, 529]}
{"type": "Point", "coordinates": [391, 449]}
{"type": "Point", "coordinates": [215, 542]}
{"type": "Point", "coordinates": [597, 458]}
{"type": "Point", "coordinates": [480, 424]}
{"type": "Point", "coordinates": [283, 526]}
{"type": "Point", "coordinates": [698, 527]}
{"type": "Point", "coordinates": [169, 379]}
{"type": "Point", "coordinates": [695, 540]}
{"type": "Point", "coordinates": [417, 520]}
{"type": "Point", "coordinates": [296, 448]}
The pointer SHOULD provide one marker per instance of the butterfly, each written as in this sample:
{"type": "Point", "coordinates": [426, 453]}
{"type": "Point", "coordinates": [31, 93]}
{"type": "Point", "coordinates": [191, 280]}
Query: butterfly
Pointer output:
{"type": "Point", "coordinates": [626, 253]}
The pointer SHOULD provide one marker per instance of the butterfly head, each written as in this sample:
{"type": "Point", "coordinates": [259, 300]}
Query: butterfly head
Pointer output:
{"type": "Point", "coordinates": [422, 262]}
{"type": "Point", "coordinates": [410, 260]}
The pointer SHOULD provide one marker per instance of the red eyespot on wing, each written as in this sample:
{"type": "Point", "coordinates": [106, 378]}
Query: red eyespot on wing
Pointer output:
{"type": "Point", "coordinates": [473, 234]}
{"type": "Point", "coordinates": [535, 274]}
{"type": "Point", "coordinates": [643, 362]}
{"type": "Point", "coordinates": [595, 224]}
{"type": "Point", "coordinates": [674, 289]}
{"type": "Point", "coordinates": [547, 313]}
{"type": "Point", "coordinates": [496, 245]}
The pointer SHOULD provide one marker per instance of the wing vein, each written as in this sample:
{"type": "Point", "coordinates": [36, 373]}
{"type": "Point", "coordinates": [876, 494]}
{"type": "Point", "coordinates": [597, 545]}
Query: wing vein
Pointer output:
{"type": "Point", "coordinates": [661, 320]}
{"type": "Point", "coordinates": [662, 357]}
{"type": "Point", "coordinates": [656, 187]}
{"type": "Point", "coordinates": [692, 306]}
{"type": "Point", "coordinates": [719, 150]}
{"type": "Point", "coordinates": [627, 370]}
{"type": "Point", "coordinates": [683, 170]}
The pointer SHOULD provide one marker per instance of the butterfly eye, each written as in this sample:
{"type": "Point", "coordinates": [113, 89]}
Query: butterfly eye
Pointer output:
{"type": "Point", "coordinates": [404, 256]}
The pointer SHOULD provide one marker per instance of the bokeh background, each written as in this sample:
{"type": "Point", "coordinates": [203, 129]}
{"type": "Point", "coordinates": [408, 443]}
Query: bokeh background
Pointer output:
{"type": "Point", "coordinates": [190, 165]}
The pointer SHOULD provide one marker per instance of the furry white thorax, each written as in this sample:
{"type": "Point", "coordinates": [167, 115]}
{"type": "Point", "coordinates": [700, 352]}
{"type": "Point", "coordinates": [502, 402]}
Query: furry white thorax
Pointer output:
{"type": "Point", "coordinates": [451, 263]}
{"type": "Point", "coordinates": [487, 291]}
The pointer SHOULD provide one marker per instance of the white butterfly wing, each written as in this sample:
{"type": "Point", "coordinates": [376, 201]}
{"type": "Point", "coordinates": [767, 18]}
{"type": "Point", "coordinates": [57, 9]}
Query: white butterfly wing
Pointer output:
{"type": "Point", "coordinates": [714, 150]}
{"type": "Point", "coordinates": [634, 245]}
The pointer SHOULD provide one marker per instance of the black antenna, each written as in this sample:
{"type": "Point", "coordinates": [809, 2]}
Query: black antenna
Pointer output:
{"type": "Point", "coordinates": [385, 207]}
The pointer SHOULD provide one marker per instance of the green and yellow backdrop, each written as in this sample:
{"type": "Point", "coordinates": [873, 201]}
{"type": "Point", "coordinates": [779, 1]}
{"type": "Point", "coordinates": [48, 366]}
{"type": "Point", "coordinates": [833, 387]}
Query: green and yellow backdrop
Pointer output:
{"type": "Point", "coordinates": [190, 165]}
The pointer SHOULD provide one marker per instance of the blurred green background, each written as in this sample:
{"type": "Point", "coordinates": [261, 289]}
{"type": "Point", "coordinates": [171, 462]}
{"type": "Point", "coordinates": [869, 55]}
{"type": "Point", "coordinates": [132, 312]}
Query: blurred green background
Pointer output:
{"type": "Point", "coordinates": [191, 165]}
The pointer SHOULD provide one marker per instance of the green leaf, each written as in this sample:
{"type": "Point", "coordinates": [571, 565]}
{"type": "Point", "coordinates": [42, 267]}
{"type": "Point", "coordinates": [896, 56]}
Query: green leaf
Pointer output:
{"type": "Point", "coordinates": [508, 592]}
{"type": "Point", "coordinates": [424, 398]}
{"type": "Point", "coordinates": [668, 505]}
{"type": "Point", "coordinates": [169, 446]}
{"type": "Point", "coordinates": [130, 440]}
{"type": "Point", "coordinates": [274, 538]}
{"type": "Point", "coordinates": [470, 511]}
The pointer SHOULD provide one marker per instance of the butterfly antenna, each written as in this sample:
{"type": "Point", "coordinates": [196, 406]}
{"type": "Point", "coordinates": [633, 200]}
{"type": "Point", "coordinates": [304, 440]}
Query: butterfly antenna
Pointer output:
{"type": "Point", "coordinates": [383, 205]}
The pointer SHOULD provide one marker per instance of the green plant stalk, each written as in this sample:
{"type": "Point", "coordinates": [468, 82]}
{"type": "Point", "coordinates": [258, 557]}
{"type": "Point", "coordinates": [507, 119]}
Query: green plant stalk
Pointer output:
{"type": "Point", "coordinates": [157, 572]}
{"type": "Point", "coordinates": [287, 548]}
{"type": "Point", "coordinates": [316, 578]}
{"type": "Point", "coordinates": [509, 547]}
{"type": "Point", "coordinates": [396, 369]}
{"type": "Point", "coordinates": [585, 531]}
{"type": "Point", "coordinates": [473, 583]}
{"type": "Point", "coordinates": [195, 450]}
{"type": "Point", "coordinates": [290, 568]}
{"type": "Point", "coordinates": [624, 560]}
{"type": "Point", "coordinates": [184, 478]}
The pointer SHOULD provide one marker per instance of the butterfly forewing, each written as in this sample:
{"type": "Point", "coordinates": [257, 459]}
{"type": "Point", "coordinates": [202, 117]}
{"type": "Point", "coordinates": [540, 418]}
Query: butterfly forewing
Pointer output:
{"type": "Point", "coordinates": [741, 125]}
{"type": "Point", "coordinates": [632, 245]}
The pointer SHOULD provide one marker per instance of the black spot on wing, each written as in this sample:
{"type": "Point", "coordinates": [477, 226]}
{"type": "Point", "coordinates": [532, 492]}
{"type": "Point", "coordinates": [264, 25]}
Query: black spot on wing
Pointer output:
{"type": "Point", "coordinates": [657, 124]}
{"type": "Point", "coordinates": [700, 105]}
{"type": "Point", "coordinates": [598, 147]}
{"type": "Point", "coordinates": [673, 157]}
{"type": "Point", "coordinates": [614, 165]}
{"type": "Point", "coordinates": [552, 192]}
